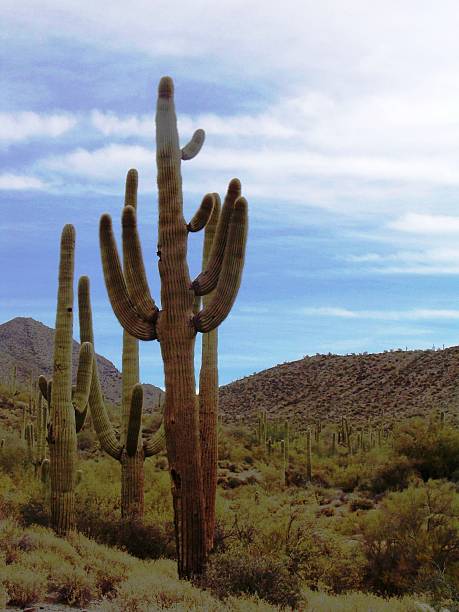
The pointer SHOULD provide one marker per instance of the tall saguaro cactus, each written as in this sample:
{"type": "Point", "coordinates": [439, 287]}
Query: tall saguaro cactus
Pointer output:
{"type": "Point", "coordinates": [176, 325]}
{"type": "Point", "coordinates": [62, 431]}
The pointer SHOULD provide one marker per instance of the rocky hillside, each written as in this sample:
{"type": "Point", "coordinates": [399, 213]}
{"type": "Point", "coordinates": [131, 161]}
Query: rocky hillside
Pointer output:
{"type": "Point", "coordinates": [326, 386]}
{"type": "Point", "coordinates": [28, 344]}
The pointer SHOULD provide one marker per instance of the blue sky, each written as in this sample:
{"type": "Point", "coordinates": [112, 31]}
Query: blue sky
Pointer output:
{"type": "Point", "coordinates": [341, 120]}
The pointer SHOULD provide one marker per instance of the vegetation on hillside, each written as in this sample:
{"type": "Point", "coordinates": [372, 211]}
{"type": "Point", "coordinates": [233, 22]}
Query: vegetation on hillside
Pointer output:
{"type": "Point", "coordinates": [375, 528]}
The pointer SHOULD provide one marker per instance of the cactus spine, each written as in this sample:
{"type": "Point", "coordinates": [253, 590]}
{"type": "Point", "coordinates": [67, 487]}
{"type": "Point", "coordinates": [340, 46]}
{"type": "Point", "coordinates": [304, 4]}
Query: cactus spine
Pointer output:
{"type": "Point", "coordinates": [62, 435]}
{"type": "Point", "coordinates": [175, 326]}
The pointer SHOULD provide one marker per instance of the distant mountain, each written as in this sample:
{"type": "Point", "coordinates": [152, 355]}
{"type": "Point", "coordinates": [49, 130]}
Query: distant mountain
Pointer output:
{"type": "Point", "coordinates": [378, 385]}
{"type": "Point", "coordinates": [28, 344]}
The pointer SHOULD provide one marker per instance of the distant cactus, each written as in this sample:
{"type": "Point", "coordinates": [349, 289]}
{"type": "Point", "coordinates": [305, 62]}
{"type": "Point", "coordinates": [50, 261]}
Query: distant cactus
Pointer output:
{"type": "Point", "coordinates": [13, 381]}
{"type": "Point", "coordinates": [30, 440]}
{"type": "Point", "coordinates": [308, 455]}
{"type": "Point", "coordinates": [284, 464]}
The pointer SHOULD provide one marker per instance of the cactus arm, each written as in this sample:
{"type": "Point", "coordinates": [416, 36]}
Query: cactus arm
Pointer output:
{"type": "Point", "coordinates": [207, 280]}
{"type": "Point", "coordinates": [43, 385]}
{"type": "Point", "coordinates": [203, 214]}
{"type": "Point", "coordinates": [155, 443]}
{"type": "Point", "coordinates": [208, 396]}
{"type": "Point", "coordinates": [118, 294]}
{"type": "Point", "coordinates": [84, 375]}
{"type": "Point", "coordinates": [135, 420]}
{"type": "Point", "coordinates": [191, 149]}
{"type": "Point", "coordinates": [102, 423]}
{"type": "Point", "coordinates": [230, 277]}
{"type": "Point", "coordinates": [130, 191]}
{"type": "Point", "coordinates": [134, 269]}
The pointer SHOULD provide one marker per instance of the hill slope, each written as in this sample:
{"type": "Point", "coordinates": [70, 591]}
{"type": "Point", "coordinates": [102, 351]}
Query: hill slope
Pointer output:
{"type": "Point", "coordinates": [28, 344]}
{"type": "Point", "coordinates": [327, 386]}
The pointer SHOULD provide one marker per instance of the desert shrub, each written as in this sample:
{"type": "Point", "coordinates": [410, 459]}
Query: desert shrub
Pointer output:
{"type": "Point", "coordinates": [393, 474]}
{"type": "Point", "coordinates": [238, 572]}
{"type": "Point", "coordinates": [4, 597]}
{"type": "Point", "coordinates": [86, 439]}
{"type": "Point", "coordinates": [324, 559]}
{"type": "Point", "coordinates": [361, 503]}
{"type": "Point", "coordinates": [22, 585]}
{"type": "Point", "coordinates": [434, 450]}
{"type": "Point", "coordinates": [350, 476]}
{"type": "Point", "coordinates": [74, 586]}
{"type": "Point", "coordinates": [34, 512]}
{"type": "Point", "coordinates": [13, 456]}
{"type": "Point", "coordinates": [412, 540]}
{"type": "Point", "coordinates": [108, 566]}
{"type": "Point", "coordinates": [149, 588]}
{"type": "Point", "coordinates": [353, 602]}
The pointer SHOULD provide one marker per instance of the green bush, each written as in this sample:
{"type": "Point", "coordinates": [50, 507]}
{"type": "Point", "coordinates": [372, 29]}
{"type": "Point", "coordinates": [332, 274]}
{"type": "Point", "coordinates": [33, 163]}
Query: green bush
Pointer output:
{"type": "Point", "coordinates": [22, 585]}
{"type": "Point", "coordinates": [238, 572]}
{"type": "Point", "coordinates": [412, 540]}
{"type": "Point", "coordinates": [433, 450]}
{"type": "Point", "coordinates": [393, 474]}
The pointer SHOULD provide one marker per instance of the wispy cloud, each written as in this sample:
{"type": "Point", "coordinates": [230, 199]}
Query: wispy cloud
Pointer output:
{"type": "Point", "coordinates": [415, 223]}
{"type": "Point", "coordinates": [416, 314]}
{"type": "Point", "coordinates": [17, 182]}
{"type": "Point", "coordinates": [18, 127]}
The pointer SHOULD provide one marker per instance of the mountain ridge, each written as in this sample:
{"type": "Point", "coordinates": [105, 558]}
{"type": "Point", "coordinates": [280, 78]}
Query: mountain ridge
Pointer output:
{"type": "Point", "coordinates": [375, 385]}
{"type": "Point", "coordinates": [28, 344]}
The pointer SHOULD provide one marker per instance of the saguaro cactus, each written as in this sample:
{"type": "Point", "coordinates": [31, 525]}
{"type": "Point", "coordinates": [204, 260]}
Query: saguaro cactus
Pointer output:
{"type": "Point", "coordinates": [175, 325]}
{"type": "Point", "coordinates": [62, 431]}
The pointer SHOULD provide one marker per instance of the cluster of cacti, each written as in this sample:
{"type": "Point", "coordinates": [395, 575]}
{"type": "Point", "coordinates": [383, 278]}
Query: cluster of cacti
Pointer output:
{"type": "Point", "coordinates": [270, 431]}
{"type": "Point", "coordinates": [131, 451]}
{"type": "Point", "coordinates": [178, 322]}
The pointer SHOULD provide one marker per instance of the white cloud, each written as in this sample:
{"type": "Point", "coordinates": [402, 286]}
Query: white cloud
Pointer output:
{"type": "Point", "coordinates": [426, 224]}
{"type": "Point", "coordinates": [111, 124]}
{"type": "Point", "coordinates": [105, 164]}
{"type": "Point", "coordinates": [17, 127]}
{"type": "Point", "coordinates": [416, 314]}
{"type": "Point", "coordinates": [17, 182]}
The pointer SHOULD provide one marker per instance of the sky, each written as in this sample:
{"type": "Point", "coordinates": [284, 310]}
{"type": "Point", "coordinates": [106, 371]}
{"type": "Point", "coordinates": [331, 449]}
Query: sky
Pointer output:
{"type": "Point", "coordinates": [340, 119]}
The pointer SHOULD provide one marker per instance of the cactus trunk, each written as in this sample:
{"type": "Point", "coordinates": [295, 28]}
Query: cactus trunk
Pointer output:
{"type": "Point", "coordinates": [63, 439]}
{"type": "Point", "coordinates": [208, 398]}
{"type": "Point", "coordinates": [132, 467]}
